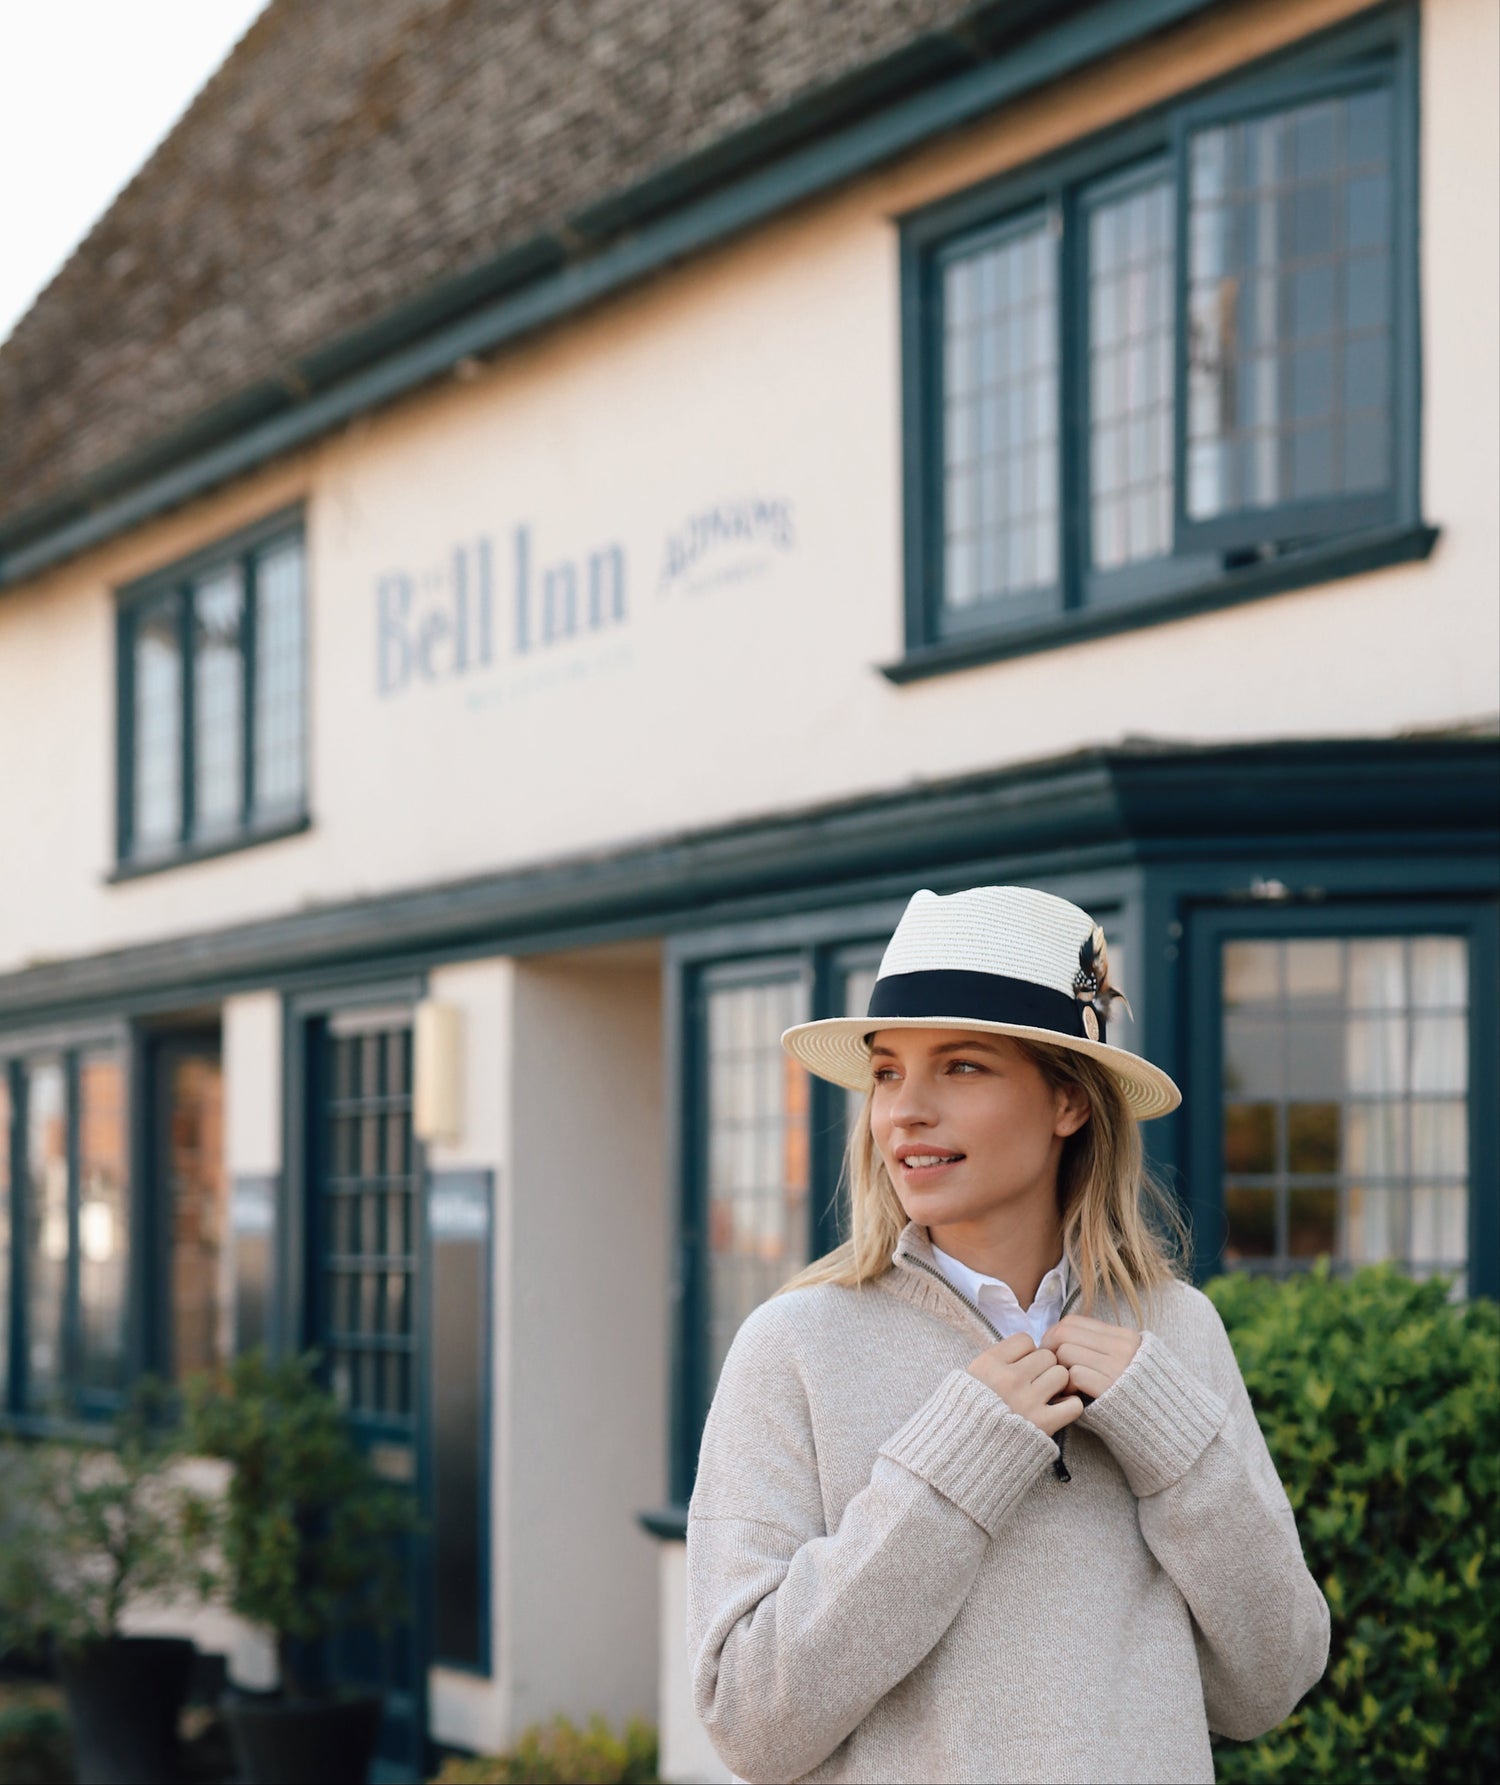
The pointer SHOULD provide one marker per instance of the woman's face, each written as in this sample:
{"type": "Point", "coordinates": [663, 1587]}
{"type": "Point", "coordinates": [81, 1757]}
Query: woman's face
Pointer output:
{"type": "Point", "coordinates": [978, 1105]}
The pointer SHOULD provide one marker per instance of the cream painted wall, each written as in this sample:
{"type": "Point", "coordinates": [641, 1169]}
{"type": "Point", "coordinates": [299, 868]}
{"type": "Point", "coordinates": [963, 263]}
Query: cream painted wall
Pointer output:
{"type": "Point", "coordinates": [687, 1756]}
{"type": "Point", "coordinates": [251, 1042]}
{"type": "Point", "coordinates": [580, 1386]}
{"type": "Point", "coordinates": [463, 1710]}
{"type": "Point", "coordinates": [768, 369]}
{"type": "Point", "coordinates": [585, 1343]}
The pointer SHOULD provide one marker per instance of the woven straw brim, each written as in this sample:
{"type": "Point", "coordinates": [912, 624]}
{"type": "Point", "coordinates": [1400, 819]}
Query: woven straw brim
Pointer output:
{"type": "Point", "coordinates": [835, 1049]}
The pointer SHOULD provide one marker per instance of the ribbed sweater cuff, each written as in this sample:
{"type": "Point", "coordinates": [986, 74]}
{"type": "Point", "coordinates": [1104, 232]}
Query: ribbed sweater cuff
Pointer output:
{"type": "Point", "coordinates": [1156, 1418]}
{"type": "Point", "coordinates": [966, 1443]}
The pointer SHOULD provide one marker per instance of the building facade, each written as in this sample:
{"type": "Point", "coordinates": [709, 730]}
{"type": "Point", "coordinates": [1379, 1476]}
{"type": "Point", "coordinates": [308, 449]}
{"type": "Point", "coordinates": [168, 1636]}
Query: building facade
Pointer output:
{"type": "Point", "coordinates": [1056, 446]}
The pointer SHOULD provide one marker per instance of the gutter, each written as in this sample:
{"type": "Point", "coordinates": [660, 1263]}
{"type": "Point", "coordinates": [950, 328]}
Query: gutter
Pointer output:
{"type": "Point", "coordinates": [670, 216]}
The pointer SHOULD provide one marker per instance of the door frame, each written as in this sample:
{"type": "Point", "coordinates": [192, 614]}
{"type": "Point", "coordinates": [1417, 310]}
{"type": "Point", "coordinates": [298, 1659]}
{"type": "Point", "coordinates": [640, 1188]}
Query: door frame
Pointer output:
{"type": "Point", "coordinates": [291, 1318]}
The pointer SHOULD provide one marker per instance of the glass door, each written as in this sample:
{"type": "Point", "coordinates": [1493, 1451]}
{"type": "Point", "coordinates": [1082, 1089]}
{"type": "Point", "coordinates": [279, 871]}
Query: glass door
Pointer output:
{"type": "Point", "coordinates": [364, 1284]}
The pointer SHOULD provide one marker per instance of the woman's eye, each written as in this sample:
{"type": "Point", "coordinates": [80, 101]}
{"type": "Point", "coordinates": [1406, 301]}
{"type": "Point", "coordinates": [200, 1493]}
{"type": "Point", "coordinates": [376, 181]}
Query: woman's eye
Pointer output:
{"type": "Point", "coordinates": [967, 1063]}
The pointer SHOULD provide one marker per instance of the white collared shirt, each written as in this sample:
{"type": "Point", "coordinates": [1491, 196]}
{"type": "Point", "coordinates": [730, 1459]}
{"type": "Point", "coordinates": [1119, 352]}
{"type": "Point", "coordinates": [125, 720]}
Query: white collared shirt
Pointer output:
{"type": "Point", "coordinates": [997, 1300]}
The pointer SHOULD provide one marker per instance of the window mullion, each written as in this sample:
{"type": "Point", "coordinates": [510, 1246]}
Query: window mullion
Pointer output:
{"type": "Point", "coordinates": [10, 1382]}
{"type": "Point", "coordinates": [70, 1372]}
{"type": "Point", "coordinates": [248, 618]}
{"type": "Point", "coordinates": [1073, 397]}
{"type": "Point", "coordinates": [185, 635]}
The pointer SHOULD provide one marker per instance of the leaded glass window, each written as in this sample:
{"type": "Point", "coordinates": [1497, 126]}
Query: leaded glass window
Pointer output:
{"type": "Point", "coordinates": [1131, 264]}
{"type": "Point", "coordinates": [47, 1233]}
{"type": "Point", "coordinates": [157, 709]}
{"type": "Point", "coordinates": [1001, 415]}
{"type": "Point", "coordinates": [1163, 358]}
{"type": "Point", "coordinates": [103, 1221]}
{"type": "Point", "coordinates": [370, 1262]}
{"type": "Point", "coordinates": [218, 700]}
{"type": "Point", "coordinates": [279, 719]}
{"type": "Point", "coordinates": [759, 1221]}
{"type": "Point", "coordinates": [213, 724]}
{"type": "Point", "coordinates": [1291, 228]}
{"type": "Point", "coordinates": [5, 1252]}
{"type": "Point", "coordinates": [1345, 1087]}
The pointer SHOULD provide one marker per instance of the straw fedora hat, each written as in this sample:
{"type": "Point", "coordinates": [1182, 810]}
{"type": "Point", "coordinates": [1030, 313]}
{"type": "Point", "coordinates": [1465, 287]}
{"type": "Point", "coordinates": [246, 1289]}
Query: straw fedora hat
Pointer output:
{"type": "Point", "coordinates": [1005, 960]}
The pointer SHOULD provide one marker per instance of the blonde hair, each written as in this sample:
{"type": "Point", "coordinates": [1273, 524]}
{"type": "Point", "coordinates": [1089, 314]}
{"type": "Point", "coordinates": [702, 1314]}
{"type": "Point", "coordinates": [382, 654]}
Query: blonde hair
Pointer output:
{"type": "Point", "coordinates": [1122, 1230]}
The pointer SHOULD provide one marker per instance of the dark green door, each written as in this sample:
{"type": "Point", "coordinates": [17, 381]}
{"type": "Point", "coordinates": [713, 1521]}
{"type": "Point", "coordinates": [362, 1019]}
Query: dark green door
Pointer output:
{"type": "Point", "coordinates": [366, 1244]}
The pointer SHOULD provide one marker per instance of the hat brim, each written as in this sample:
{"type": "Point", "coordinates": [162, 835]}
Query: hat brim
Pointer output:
{"type": "Point", "coordinates": [835, 1049]}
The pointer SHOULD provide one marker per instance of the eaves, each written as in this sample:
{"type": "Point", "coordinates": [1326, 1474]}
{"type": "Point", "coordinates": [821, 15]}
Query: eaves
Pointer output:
{"type": "Point", "coordinates": [1131, 804]}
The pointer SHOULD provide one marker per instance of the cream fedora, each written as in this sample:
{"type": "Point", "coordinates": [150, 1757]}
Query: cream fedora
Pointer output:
{"type": "Point", "coordinates": [1007, 960]}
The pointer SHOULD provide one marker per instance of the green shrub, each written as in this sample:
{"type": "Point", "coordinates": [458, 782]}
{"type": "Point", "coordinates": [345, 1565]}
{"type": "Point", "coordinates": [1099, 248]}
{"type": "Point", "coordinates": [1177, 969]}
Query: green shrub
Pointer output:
{"type": "Point", "coordinates": [311, 1537]}
{"type": "Point", "coordinates": [34, 1746]}
{"type": "Point", "coordinates": [1380, 1401]}
{"type": "Point", "coordinates": [558, 1753]}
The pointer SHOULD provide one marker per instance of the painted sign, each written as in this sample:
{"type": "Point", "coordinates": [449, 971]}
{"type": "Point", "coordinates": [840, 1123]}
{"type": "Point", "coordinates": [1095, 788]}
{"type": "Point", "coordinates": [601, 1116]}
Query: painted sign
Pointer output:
{"type": "Point", "coordinates": [488, 602]}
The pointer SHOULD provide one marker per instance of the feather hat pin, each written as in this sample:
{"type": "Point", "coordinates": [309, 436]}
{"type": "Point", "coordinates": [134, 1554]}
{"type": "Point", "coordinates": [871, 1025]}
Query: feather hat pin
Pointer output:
{"type": "Point", "coordinates": [1091, 985]}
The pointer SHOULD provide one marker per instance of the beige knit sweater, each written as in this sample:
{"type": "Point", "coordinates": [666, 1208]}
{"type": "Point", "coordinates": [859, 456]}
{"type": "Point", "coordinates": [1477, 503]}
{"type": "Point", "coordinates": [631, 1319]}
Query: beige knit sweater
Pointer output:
{"type": "Point", "coordinates": [887, 1580]}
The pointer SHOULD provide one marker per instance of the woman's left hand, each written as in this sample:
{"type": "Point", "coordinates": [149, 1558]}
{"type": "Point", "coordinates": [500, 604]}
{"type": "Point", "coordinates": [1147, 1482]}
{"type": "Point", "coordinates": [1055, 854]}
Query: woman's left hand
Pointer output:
{"type": "Point", "coordinates": [1094, 1352]}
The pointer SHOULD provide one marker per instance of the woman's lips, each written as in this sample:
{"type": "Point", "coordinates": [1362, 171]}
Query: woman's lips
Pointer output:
{"type": "Point", "coordinates": [921, 1174]}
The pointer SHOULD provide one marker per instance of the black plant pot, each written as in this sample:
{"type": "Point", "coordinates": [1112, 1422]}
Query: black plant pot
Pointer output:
{"type": "Point", "coordinates": [124, 1695]}
{"type": "Point", "coordinates": [292, 1741]}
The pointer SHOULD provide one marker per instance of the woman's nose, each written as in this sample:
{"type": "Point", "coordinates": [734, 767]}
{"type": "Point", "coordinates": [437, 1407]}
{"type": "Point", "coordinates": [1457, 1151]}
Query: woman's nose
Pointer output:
{"type": "Point", "coordinates": [912, 1104]}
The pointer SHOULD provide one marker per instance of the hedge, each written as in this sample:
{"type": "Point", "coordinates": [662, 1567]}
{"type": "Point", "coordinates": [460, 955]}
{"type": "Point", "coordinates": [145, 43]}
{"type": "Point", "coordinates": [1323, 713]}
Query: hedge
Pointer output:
{"type": "Point", "coordinates": [1379, 1398]}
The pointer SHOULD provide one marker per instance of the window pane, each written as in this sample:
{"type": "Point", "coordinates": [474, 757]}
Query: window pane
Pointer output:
{"type": "Point", "coordinates": [198, 1197]}
{"type": "Point", "coordinates": [1289, 347]}
{"type": "Point", "coordinates": [46, 1231]}
{"type": "Point", "coordinates": [279, 679]}
{"type": "Point", "coordinates": [103, 1221]}
{"type": "Point", "coordinates": [758, 1176]}
{"type": "Point", "coordinates": [1000, 410]}
{"type": "Point", "coordinates": [859, 983]}
{"type": "Point", "coordinates": [218, 702]}
{"type": "Point", "coordinates": [1130, 278]}
{"type": "Point", "coordinates": [1346, 1063]}
{"type": "Point", "coordinates": [5, 1261]}
{"type": "Point", "coordinates": [156, 820]}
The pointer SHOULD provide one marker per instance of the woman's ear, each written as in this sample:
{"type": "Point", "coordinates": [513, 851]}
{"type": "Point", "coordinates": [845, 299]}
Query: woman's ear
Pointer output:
{"type": "Point", "coordinates": [1073, 1110]}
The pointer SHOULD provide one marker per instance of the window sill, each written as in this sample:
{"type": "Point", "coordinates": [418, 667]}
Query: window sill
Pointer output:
{"type": "Point", "coordinates": [1350, 556]}
{"type": "Point", "coordinates": [202, 852]}
{"type": "Point", "coordinates": [670, 1523]}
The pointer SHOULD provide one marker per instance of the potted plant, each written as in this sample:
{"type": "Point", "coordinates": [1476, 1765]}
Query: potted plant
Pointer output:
{"type": "Point", "coordinates": [308, 1535]}
{"type": "Point", "coordinates": [87, 1532]}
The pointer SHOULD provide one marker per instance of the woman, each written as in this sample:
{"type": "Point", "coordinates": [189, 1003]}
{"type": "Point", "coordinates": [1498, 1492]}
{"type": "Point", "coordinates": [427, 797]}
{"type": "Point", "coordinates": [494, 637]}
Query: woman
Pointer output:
{"type": "Point", "coordinates": [981, 1496]}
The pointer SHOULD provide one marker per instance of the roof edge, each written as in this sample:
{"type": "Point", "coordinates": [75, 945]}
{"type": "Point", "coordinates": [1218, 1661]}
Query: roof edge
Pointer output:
{"type": "Point", "coordinates": [997, 52]}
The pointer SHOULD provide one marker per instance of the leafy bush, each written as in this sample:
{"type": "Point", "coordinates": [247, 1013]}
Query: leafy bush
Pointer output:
{"type": "Point", "coordinates": [309, 1534]}
{"type": "Point", "coordinates": [558, 1753]}
{"type": "Point", "coordinates": [87, 1531]}
{"type": "Point", "coordinates": [1380, 1402]}
{"type": "Point", "coordinates": [34, 1747]}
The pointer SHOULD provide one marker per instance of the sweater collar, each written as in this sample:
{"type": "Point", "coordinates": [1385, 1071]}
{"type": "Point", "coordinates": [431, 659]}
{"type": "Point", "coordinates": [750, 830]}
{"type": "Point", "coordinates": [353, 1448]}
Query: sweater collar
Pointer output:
{"type": "Point", "coordinates": [918, 1278]}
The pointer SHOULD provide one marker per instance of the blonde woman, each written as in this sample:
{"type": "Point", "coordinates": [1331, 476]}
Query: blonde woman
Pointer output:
{"type": "Point", "coordinates": [981, 1495]}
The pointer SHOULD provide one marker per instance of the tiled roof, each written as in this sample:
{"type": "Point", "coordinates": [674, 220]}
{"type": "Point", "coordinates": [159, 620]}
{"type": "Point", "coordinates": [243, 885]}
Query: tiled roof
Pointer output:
{"type": "Point", "coordinates": [351, 155]}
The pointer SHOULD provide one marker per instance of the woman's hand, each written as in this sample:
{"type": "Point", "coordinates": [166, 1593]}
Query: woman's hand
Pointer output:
{"type": "Point", "coordinates": [1093, 1352]}
{"type": "Point", "coordinates": [1026, 1378]}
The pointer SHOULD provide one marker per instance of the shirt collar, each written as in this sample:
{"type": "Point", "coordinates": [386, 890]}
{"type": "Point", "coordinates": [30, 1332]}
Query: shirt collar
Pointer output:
{"type": "Point", "coordinates": [968, 1282]}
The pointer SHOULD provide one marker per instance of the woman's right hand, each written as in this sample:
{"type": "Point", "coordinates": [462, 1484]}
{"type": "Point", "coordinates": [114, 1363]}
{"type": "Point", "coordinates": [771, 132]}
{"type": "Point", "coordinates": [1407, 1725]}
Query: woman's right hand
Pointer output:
{"type": "Point", "coordinates": [1026, 1378]}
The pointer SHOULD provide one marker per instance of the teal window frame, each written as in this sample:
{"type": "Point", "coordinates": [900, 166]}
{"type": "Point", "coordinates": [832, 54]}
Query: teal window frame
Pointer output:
{"type": "Point", "coordinates": [1211, 563]}
{"type": "Point", "coordinates": [820, 965]}
{"type": "Point", "coordinates": [1475, 919]}
{"type": "Point", "coordinates": [74, 1402]}
{"type": "Point", "coordinates": [175, 586]}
